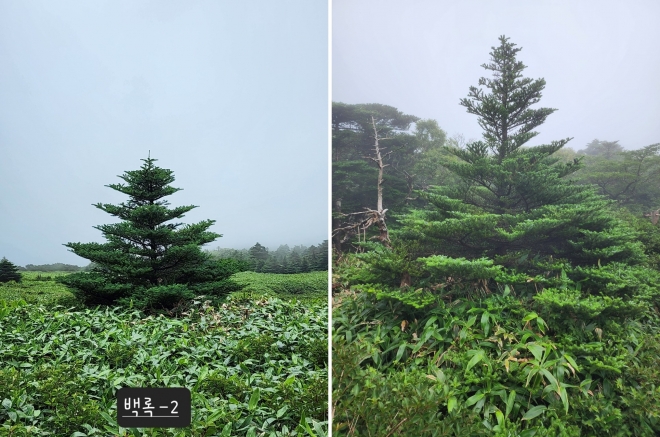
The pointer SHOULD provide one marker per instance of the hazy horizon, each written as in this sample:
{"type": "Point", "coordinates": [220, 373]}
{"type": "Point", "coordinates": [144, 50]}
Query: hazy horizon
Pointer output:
{"type": "Point", "coordinates": [232, 97]}
{"type": "Point", "coordinates": [598, 58]}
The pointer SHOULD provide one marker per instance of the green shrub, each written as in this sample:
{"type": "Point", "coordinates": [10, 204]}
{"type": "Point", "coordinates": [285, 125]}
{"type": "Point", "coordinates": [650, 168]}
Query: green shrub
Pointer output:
{"type": "Point", "coordinates": [490, 366]}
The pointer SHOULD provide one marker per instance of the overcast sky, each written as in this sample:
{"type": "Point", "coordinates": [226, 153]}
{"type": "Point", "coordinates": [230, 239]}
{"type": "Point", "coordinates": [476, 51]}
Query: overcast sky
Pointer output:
{"type": "Point", "coordinates": [232, 96]}
{"type": "Point", "coordinates": [600, 60]}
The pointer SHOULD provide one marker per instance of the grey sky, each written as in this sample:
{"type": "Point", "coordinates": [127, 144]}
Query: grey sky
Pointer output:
{"type": "Point", "coordinates": [600, 60]}
{"type": "Point", "coordinates": [231, 96]}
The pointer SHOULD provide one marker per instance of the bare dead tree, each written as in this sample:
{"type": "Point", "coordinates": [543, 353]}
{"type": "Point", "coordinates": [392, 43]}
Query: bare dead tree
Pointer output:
{"type": "Point", "coordinates": [357, 223]}
{"type": "Point", "coordinates": [654, 215]}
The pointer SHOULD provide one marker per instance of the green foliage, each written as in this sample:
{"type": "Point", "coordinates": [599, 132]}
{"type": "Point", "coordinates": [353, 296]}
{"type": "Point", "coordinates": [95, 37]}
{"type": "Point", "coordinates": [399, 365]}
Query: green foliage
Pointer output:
{"type": "Point", "coordinates": [626, 176]}
{"type": "Point", "coordinates": [252, 368]}
{"type": "Point", "coordinates": [306, 286]}
{"type": "Point", "coordinates": [606, 149]}
{"type": "Point", "coordinates": [515, 220]}
{"type": "Point", "coordinates": [8, 271]}
{"type": "Point", "coordinates": [648, 235]}
{"type": "Point", "coordinates": [443, 268]}
{"type": "Point", "coordinates": [148, 262]}
{"type": "Point", "coordinates": [351, 128]}
{"type": "Point", "coordinates": [300, 259]}
{"type": "Point", "coordinates": [515, 302]}
{"type": "Point", "coordinates": [34, 288]}
{"type": "Point", "coordinates": [491, 367]}
{"type": "Point", "coordinates": [57, 267]}
{"type": "Point", "coordinates": [411, 159]}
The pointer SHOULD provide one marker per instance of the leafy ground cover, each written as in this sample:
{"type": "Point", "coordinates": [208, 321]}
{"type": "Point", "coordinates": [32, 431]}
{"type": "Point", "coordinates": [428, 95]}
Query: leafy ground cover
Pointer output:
{"type": "Point", "coordinates": [488, 365]}
{"type": "Point", "coordinates": [305, 286]}
{"type": "Point", "coordinates": [38, 288]}
{"type": "Point", "coordinates": [503, 299]}
{"type": "Point", "coordinates": [255, 368]}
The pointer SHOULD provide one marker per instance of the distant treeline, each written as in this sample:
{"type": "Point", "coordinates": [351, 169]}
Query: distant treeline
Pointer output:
{"type": "Point", "coordinates": [57, 267]}
{"type": "Point", "coordinates": [299, 259]}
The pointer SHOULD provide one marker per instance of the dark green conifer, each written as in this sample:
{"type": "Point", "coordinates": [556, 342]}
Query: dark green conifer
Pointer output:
{"type": "Point", "coordinates": [516, 218]}
{"type": "Point", "coordinates": [304, 265]}
{"type": "Point", "coordinates": [258, 256]}
{"type": "Point", "coordinates": [8, 271]}
{"type": "Point", "coordinates": [295, 262]}
{"type": "Point", "coordinates": [147, 258]}
{"type": "Point", "coordinates": [323, 258]}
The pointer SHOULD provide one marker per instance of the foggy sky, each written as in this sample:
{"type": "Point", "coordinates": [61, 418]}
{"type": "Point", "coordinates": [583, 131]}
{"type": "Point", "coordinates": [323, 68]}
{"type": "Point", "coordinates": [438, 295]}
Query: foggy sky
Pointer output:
{"type": "Point", "coordinates": [231, 96]}
{"type": "Point", "coordinates": [600, 60]}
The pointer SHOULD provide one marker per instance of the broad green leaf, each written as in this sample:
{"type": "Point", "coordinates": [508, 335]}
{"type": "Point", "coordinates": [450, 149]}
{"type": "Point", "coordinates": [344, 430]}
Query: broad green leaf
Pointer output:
{"type": "Point", "coordinates": [451, 403]}
{"type": "Point", "coordinates": [500, 417]}
{"type": "Point", "coordinates": [530, 316]}
{"type": "Point", "coordinates": [485, 322]}
{"type": "Point", "coordinates": [471, 321]}
{"type": "Point", "coordinates": [537, 350]}
{"type": "Point", "coordinates": [112, 421]}
{"type": "Point", "coordinates": [226, 430]}
{"type": "Point", "coordinates": [281, 411]}
{"type": "Point", "coordinates": [474, 398]}
{"type": "Point", "coordinates": [564, 397]}
{"type": "Point", "coordinates": [430, 321]}
{"type": "Point", "coordinates": [399, 353]}
{"type": "Point", "coordinates": [212, 418]}
{"type": "Point", "coordinates": [541, 324]}
{"type": "Point", "coordinates": [534, 412]}
{"type": "Point", "coordinates": [475, 359]}
{"type": "Point", "coordinates": [320, 432]}
{"type": "Point", "coordinates": [254, 399]}
{"type": "Point", "coordinates": [531, 374]}
{"type": "Point", "coordinates": [550, 377]}
{"type": "Point", "coordinates": [510, 402]}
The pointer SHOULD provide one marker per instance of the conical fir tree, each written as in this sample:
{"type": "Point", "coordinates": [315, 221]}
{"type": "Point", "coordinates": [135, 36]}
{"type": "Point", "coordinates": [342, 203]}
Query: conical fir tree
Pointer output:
{"type": "Point", "coordinates": [147, 258]}
{"type": "Point", "coordinates": [8, 271]}
{"type": "Point", "coordinates": [515, 218]}
{"type": "Point", "coordinates": [515, 201]}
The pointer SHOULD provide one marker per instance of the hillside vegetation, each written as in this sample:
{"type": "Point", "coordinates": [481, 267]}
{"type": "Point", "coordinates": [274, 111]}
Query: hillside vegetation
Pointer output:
{"type": "Point", "coordinates": [254, 366]}
{"type": "Point", "coordinates": [506, 295]}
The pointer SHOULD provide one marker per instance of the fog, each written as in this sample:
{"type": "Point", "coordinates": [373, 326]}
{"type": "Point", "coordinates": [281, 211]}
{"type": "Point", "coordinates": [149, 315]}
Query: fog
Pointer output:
{"type": "Point", "coordinates": [599, 59]}
{"type": "Point", "coordinates": [231, 96]}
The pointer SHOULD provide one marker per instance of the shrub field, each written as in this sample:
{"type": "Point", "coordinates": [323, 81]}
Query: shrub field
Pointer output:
{"type": "Point", "coordinates": [254, 367]}
{"type": "Point", "coordinates": [490, 366]}
{"type": "Point", "coordinates": [305, 286]}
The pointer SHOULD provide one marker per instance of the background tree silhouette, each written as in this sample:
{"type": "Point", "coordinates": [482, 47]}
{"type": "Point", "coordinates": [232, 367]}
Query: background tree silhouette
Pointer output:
{"type": "Point", "coordinates": [8, 271]}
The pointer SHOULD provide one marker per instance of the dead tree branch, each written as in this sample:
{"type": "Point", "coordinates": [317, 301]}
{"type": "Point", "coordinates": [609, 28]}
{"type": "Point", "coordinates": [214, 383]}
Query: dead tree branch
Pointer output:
{"type": "Point", "coordinates": [369, 217]}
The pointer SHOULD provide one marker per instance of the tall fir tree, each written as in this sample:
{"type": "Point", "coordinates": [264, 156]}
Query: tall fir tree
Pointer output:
{"type": "Point", "coordinates": [8, 271]}
{"type": "Point", "coordinates": [515, 218]}
{"type": "Point", "coordinates": [148, 259]}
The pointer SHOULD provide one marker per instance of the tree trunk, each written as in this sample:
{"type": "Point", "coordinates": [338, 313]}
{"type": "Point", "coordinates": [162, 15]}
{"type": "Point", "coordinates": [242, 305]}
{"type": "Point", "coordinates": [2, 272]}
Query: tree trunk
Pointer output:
{"type": "Point", "coordinates": [384, 236]}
